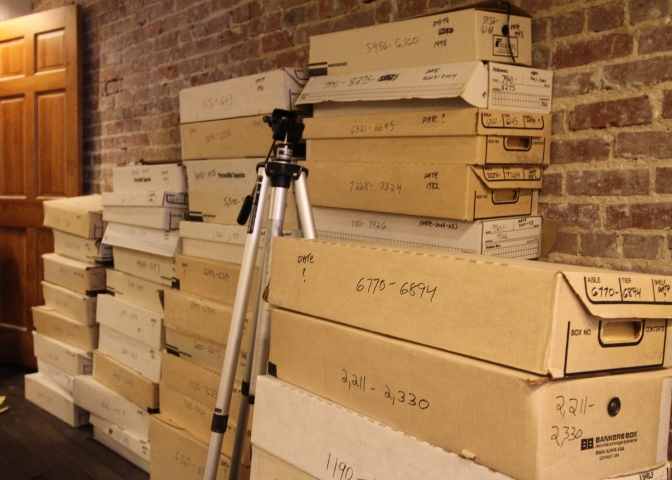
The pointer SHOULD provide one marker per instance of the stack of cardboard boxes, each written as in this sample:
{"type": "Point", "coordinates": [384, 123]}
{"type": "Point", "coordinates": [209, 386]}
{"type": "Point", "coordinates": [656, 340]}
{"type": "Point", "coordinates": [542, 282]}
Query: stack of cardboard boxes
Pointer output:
{"type": "Point", "coordinates": [224, 137]}
{"type": "Point", "coordinates": [430, 131]}
{"type": "Point", "coordinates": [66, 332]}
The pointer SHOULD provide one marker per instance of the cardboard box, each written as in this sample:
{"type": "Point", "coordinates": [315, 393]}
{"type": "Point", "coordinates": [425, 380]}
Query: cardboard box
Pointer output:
{"type": "Point", "coordinates": [224, 243]}
{"type": "Point", "coordinates": [231, 138]}
{"type": "Point", "coordinates": [582, 428]}
{"type": "Point", "coordinates": [241, 97]}
{"type": "Point", "coordinates": [72, 274]}
{"type": "Point", "coordinates": [550, 319]}
{"type": "Point", "coordinates": [176, 455]}
{"type": "Point", "coordinates": [132, 289]}
{"type": "Point", "coordinates": [103, 402]}
{"type": "Point", "coordinates": [147, 240]}
{"type": "Point", "coordinates": [518, 237]}
{"type": "Point", "coordinates": [125, 381]}
{"type": "Point", "coordinates": [128, 351]}
{"type": "Point", "coordinates": [69, 359]}
{"type": "Point", "coordinates": [131, 320]}
{"type": "Point", "coordinates": [145, 198]}
{"type": "Point", "coordinates": [657, 473]}
{"type": "Point", "coordinates": [456, 36]}
{"type": "Point", "coordinates": [78, 307]}
{"type": "Point", "coordinates": [56, 375]}
{"type": "Point", "coordinates": [188, 378]}
{"type": "Point", "coordinates": [202, 352]}
{"type": "Point", "coordinates": [460, 192]}
{"type": "Point", "coordinates": [86, 250]}
{"type": "Point", "coordinates": [44, 393]}
{"type": "Point", "coordinates": [143, 178]}
{"type": "Point", "coordinates": [125, 444]}
{"type": "Point", "coordinates": [160, 210]}
{"type": "Point", "coordinates": [265, 466]}
{"type": "Point", "coordinates": [494, 86]}
{"type": "Point", "coordinates": [453, 135]}
{"type": "Point", "coordinates": [154, 268]}
{"type": "Point", "coordinates": [49, 322]}
{"type": "Point", "coordinates": [81, 216]}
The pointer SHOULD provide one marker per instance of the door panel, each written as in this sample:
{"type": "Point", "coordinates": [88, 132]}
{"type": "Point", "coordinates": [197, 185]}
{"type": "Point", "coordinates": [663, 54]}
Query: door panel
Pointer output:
{"type": "Point", "coordinates": [40, 157]}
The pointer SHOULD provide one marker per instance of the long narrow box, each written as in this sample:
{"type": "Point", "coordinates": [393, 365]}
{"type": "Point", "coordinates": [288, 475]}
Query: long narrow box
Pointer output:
{"type": "Point", "coordinates": [517, 237]}
{"type": "Point", "coordinates": [126, 381]}
{"type": "Point", "coordinates": [493, 86]}
{"type": "Point", "coordinates": [108, 404]}
{"type": "Point", "coordinates": [457, 135]}
{"type": "Point", "coordinates": [71, 360]}
{"type": "Point", "coordinates": [456, 36]}
{"type": "Point", "coordinates": [81, 216]}
{"type": "Point", "coordinates": [133, 353]}
{"type": "Point", "coordinates": [52, 324]}
{"type": "Point", "coordinates": [459, 192]}
{"type": "Point", "coordinates": [582, 428]}
{"type": "Point", "coordinates": [160, 210]}
{"type": "Point", "coordinates": [77, 306]}
{"type": "Point", "coordinates": [550, 319]}
{"type": "Point", "coordinates": [86, 250]}
{"type": "Point", "coordinates": [131, 320]}
{"type": "Point", "coordinates": [56, 375]}
{"type": "Point", "coordinates": [146, 240]}
{"type": "Point", "coordinates": [153, 268]}
{"type": "Point", "coordinates": [142, 178]}
{"type": "Point", "coordinates": [50, 397]}
{"type": "Point", "coordinates": [72, 274]}
{"type": "Point", "coordinates": [132, 289]}
{"type": "Point", "coordinates": [223, 243]}
{"type": "Point", "coordinates": [241, 97]}
{"type": "Point", "coordinates": [132, 448]}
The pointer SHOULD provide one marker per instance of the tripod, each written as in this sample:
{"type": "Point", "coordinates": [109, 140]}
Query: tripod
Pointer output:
{"type": "Point", "coordinates": [277, 173]}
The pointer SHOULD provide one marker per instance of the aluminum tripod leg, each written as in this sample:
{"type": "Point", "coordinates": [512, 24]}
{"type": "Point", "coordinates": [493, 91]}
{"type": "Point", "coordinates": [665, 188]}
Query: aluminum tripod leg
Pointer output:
{"type": "Point", "coordinates": [228, 374]}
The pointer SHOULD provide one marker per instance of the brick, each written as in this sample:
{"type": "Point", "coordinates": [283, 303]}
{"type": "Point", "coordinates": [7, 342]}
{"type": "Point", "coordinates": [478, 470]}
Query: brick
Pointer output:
{"type": "Point", "coordinates": [646, 216]}
{"type": "Point", "coordinates": [552, 184]}
{"type": "Point", "coordinates": [599, 245]}
{"type": "Point", "coordinates": [642, 246]}
{"type": "Point", "coordinates": [558, 124]}
{"type": "Point", "coordinates": [651, 144]}
{"type": "Point", "coordinates": [656, 39]}
{"type": "Point", "coordinates": [567, 24]}
{"type": "Point", "coordinates": [567, 243]}
{"type": "Point", "coordinates": [299, 15]}
{"type": "Point", "coordinates": [643, 10]}
{"type": "Point", "coordinates": [664, 180]}
{"type": "Point", "coordinates": [541, 56]}
{"type": "Point", "coordinates": [412, 8]}
{"type": "Point", "coordinates": [608, 182]}
{"type": "Point", "coordinates": [639, 73]}
{"type": "Point", "coordinates": [579, 151]}
{"type": "Point", "coordinates": [355, 20]}
{"type": "Point", "coordinates": [540, 29]}
{"type": "Point", "coordinates": [329, 8]}
{"type": "Point", "coordinates": [613, 113]}
{"type": "Point", "coordinates": [574, 84]}
{"type": "Point", "coordinates": [572, 215]}
{"type": "Point", "coordinates": [667, 104]}
{"type": "Point", "coordinates": [594, 49]}
{"type": "Point", "coordinates": [276, 41]}
{"type": "Point", "coordinates": [606, 17]}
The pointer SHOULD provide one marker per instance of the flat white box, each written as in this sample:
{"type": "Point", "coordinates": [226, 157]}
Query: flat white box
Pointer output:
{"type": "Point", "coordinates": [154, 268]}
{"type": "Point", "coordinates": [47, 395]}
{"type": "Point", "coordinates": [131, 447]}
{"type": "Point", "coordinates": [141, 178]}
{"type": "Point", "coordinates": [76, 306]}
{"type": "Point", "coordinates": [86, 250]}
{"type": "Point", "coordinates": [105, 403]}
{"type": "Point", "coordinates": [131, 320]}
{"type": "Point", "coordinates": [131, 352]}
{"type": "Point", "coordinates": [224, 243]}
{"type": "Point", "coordinates": [160, 210]}
{"type": "Point", "coordinates": [495, 86]}
{"type": "Point", "coordinates": [132, 289]}
{"type": "Point", "coordinates": [56, 375]}
{"type": "Point", "coordinates": [242, 96]}
{"type": "Point", "coordinates": [71, 360]}
{"type": "Point", "coordinates": [148, 240]}
{"type": "Point", "coordinates": [516, 237]}
{"type": "Point", "coordinates": [81, 216]}
{"type": "Point", "coordinates": [73, 274]}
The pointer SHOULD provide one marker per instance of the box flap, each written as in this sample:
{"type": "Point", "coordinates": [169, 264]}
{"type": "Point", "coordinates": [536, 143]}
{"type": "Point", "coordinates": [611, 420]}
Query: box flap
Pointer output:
{"type": "Point", "coordinates": [149, 240]}
{"type": "Point", "coordinates": [466, 80]}
{"type": "Point", "coordinates": [622, 295]}
{"type": "Point", "coordinates": [505, 178]}
{"type": "Point", "coordinates": [155, 198]}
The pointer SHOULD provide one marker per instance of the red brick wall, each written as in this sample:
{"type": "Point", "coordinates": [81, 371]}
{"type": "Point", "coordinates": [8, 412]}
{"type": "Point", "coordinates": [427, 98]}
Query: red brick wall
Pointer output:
{"type": "Point", "coordinates": [610, 182]}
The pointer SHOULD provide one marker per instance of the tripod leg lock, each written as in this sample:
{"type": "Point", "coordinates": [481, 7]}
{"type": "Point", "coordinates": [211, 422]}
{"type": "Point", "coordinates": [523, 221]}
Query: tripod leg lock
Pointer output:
{"type": "Point", "coordinates": [219, 423]}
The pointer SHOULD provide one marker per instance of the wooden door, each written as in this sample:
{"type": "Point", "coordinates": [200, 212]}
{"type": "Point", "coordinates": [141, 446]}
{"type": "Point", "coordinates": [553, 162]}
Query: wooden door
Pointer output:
{"type": "Point", "coordinates": [40, 158]}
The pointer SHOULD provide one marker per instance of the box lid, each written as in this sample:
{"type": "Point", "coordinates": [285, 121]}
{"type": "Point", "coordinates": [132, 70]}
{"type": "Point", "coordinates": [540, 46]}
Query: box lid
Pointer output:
{"type": "Point", "coordinates": [213, 232]}
{"type": "Point", "coordinates": [76, 215]}
{"type": "Point", "coordinates": [156, 242]}
{"type": "Point", "coordinates": [155, 198]}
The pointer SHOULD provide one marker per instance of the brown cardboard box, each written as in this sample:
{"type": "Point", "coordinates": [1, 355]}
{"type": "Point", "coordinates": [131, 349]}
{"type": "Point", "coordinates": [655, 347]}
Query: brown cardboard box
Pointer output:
{"type": "Point", "coordinates": [201, 351]}
{"type": "Point", "coordinates": [77, 306]}
{"type": "Point", "coordinates": [125, 381]}
{"type": "Point", "coordinates": [458, 36]}
{"type": "Point", "coordinates": [460, 192]}
{"type": "Point", "coordinates": [81, 216]}
{"type": "Point", "coordinates": [231, 138]}
{"type": "Point", "coordinates": [142, 178]}
{"type": "Point", "coordinates": [266, 466]}
{"type": "Point", "coordinates": [176, 455]}
{"type": "Point", "coordinates": [155, 268]}
{"type": "Point", "coordinates": [550, 319]}
{"type": "Point", "coordinates": [517, 423]}
{"type": "Point", "coordinates": [87, 250]}
{"type": "Point", "coordinates": [459, 135]}
{"type": "Point", "coordinates": [136, 290]}
{"type": "Point", "coordinates": [52, 324]}
{"type": "Point", "coordinates": [74, 275]}
{"type": "Point", "coordinates": [188, 378]}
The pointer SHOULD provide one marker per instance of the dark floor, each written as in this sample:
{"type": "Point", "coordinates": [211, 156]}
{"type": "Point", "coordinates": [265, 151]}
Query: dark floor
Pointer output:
{"type": "Point", "coordinates": [34, 445]}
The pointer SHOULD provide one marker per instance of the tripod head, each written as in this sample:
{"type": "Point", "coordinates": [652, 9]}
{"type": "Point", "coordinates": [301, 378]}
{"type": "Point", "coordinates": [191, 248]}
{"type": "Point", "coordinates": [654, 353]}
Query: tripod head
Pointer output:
{"type": "Point", "coordinates": [287, 126]}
